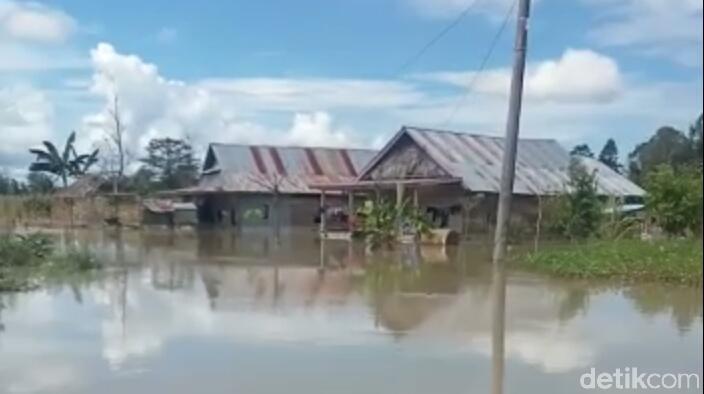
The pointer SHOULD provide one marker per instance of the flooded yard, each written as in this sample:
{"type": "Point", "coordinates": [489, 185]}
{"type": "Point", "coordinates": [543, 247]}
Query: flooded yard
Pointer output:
{"type": "Point", "coordinates": [217, 313]}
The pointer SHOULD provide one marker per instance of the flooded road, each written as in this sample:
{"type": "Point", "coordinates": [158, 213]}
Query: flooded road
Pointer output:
{"type": "Point", "coordinates": [214, 313]}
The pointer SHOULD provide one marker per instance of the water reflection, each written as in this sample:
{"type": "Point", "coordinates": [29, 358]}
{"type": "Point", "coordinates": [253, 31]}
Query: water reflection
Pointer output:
{"type": "Point", "coordinates": [182, 312]}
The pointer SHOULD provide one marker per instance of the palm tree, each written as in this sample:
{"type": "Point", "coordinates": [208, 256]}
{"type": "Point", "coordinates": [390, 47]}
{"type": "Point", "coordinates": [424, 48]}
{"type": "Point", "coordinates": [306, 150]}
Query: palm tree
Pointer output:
{"type": "Point", "coordinates": [65, 165]}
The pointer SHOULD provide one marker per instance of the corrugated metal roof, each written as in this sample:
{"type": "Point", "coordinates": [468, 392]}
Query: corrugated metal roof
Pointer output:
{"type": "Point", "coordinates": [541, 165]}
{"type": "Point", "coordinates": [257, 168]}
{"type": "Point", "coordinates": [83, 186]}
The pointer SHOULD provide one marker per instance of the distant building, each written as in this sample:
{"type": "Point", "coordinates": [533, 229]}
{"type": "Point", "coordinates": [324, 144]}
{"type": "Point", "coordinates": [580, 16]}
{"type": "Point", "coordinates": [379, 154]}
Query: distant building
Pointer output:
{"type": "Point", "coordinates": [250, 185]}
{"type": "Point", "coordinates": [454, 177]}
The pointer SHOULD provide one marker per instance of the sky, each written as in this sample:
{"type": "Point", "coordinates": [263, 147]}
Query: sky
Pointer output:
{"type": "Point", "coordinates": [340, 73]}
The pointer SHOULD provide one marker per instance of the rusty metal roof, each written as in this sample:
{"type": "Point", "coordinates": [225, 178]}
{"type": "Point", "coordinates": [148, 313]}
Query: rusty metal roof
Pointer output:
{"type": "Point", "coordinates": [541, 165]}
{"type": "Point", "coordinates": [259, 168]}
{"type": "Point", "coordinates": [84, 186]}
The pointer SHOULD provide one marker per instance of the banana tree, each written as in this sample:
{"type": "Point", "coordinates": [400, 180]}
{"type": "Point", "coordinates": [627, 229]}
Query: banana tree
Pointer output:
{"type": "Point", "coordinates": [65, 164]}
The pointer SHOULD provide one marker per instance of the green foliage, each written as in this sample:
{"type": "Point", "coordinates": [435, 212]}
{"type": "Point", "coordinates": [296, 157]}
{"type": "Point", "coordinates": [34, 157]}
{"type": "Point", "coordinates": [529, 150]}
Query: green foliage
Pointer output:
{"type": "Point", "coordinates": [378, 222]}
{"type": "Point", "coordinates": [39, 183]}
{"type": "Point", "coordinates": [171, 163]}
{"type": "Point", "coordinates": [141, 182]}
{"type": "Point", "coordinates": [19, 251]}
{"type": "Point", "coordinates": [609, 155]}
{"type": "Point", "coordinates": [381, 221]}
{"type": "Point", "coordinates": [65, 164]}
{"type": "Point", "coordinates": [668, 146]}
{"type": "Point", "coordinates": [578, 212]}
{"type": "Point", "coordinates": [674, 199]}
{"type": "Point", "coordinates": [26, 260]}
{"type": "Point", "coordinates": [582, 150]}
{"type": "Point", "coordinates": [72, 260]}
{"type": "Point", "coordinates": [9, 185]}
{"type": "Point", "coordinates": [674, 260]}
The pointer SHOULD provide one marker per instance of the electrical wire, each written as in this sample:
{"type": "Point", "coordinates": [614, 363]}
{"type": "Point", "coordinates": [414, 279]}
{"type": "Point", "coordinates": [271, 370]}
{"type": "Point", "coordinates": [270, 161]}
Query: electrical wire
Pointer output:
{"type": "Point", "coordinates": [482, 66]}
{"type": "Point", "coordinates": [436, 38]}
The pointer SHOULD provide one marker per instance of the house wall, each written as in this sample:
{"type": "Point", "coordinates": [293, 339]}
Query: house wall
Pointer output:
{"type": "Point", "coordinates": [471, 214]}
{"type": "Point", "coordinates": [256, 210]}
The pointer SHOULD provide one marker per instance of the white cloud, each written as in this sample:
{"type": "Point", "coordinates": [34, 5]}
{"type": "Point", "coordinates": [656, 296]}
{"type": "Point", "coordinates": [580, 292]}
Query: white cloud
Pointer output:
{"type": "Point", "coordinates": [33, 37]}
{"type": "Point", "coordinates": [153, 106]}
{"type": "Point", "coordinates": [310, 94]}
{"type": "Point", "coordinates": [316, 129]}
{"type": "Point", "coordinates": [35, 22]}
{"type": "Point", "coordinates": [668, 28]}
{"type": "Point", "coordinates": [26, 117]}
{"type": "Point", "coordinates": [577, 76]}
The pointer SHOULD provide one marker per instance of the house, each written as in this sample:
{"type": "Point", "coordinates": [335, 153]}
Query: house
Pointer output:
{"type": "Point", "coordinates": [252, 185]}
{"type": "Point", "coordinates": [454, 177]}
{"type": "Point", "coordinates": [89, 200]}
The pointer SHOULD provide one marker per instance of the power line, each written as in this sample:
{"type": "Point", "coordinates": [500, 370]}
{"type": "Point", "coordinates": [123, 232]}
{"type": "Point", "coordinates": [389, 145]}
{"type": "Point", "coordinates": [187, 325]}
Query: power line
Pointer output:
{"type": "Point", "coordinates": [482, 65]}
{"type": "Point", "coordinates": [436, 38]}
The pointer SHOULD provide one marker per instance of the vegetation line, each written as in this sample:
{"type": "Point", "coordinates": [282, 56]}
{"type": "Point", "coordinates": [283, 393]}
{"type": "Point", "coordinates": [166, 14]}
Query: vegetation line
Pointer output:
{"type": "Point", "coordinates": [668, 260]}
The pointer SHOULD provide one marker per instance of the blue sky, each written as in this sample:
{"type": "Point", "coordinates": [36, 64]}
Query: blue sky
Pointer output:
{"type": "Point", "coordinates": [328, 72]}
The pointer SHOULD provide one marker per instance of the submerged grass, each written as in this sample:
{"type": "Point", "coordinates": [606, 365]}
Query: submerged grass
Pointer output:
{"type": "Point", "coordinates": [28, 260]}
{"type": "Point", "coordinates": [670, 260]}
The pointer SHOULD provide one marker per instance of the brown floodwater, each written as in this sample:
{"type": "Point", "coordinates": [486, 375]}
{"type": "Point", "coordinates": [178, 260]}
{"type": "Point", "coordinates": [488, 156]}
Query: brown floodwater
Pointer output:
{"type": "Point", "coordinates": [214, 312]}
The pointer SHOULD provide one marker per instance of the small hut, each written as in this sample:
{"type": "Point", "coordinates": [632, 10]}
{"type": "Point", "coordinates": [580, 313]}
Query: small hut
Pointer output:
{"type": "Point", "coordinates": [161, 212]}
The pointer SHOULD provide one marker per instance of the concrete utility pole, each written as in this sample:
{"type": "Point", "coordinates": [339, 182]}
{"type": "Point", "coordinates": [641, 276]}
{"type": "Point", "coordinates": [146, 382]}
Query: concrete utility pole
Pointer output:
{"type": "Point", "coordinates": [508, 170]}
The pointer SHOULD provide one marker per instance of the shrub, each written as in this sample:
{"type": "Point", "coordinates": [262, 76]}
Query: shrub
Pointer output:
{"type": "Point", "coordinates": [380, 221]}
{"type": "Point", "coordinates": [578, 212]}
{"type": "Point", "coordinates": [674, 199]}
{"type": "Point", "coordinates": [24, 250]}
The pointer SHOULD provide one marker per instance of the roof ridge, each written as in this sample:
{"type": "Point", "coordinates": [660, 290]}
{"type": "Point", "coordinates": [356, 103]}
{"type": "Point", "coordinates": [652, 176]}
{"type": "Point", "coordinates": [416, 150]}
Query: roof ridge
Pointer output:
{"type": "Point", "coordinates": [473, 134]}
{"type": "Point", "coordinates": [245, 145]}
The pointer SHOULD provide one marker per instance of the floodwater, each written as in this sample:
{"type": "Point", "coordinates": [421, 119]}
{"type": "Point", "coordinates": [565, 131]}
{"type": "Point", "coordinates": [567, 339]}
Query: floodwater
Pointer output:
{"type": "Point", "coordinates": [217, 313]}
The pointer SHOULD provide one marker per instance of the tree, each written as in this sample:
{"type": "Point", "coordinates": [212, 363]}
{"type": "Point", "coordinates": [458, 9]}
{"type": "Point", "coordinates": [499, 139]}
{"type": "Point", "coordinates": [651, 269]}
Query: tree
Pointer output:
{"type": "Point", "coordinates": [38, 182]}
{"type": "Point", "coordinates": [172, 162]}
{"type": "Point", "coordinates": [695, 137]}
{"type": "Point", "coordinates": [668, 146]}
{"type": "Point", "coordinates": [609, 155]}
{"type": "Point", "coordinates": [64, 165]}
{"type": "Point", "coordinates": [115, 136]}
{"type": "Point", "coordinates": [577, 213]}
{"type": "Point", "coordinates": [141, 182]}
{"type": "Point", "coordinates": [674, 198]}
{"type": "Point", "coordinates": [9, 185]}
{"type": "Point", "coordinates": [582, 150]}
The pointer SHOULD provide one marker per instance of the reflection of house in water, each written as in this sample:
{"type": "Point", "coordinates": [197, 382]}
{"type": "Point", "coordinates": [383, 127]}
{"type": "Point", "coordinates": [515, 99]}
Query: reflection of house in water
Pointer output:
{"type": "Point", "coordinates": [228, 286]}
{"type": "Point", "coordinates": [238, 183]}
{"type": "Point", "coordinates": [454, 177]}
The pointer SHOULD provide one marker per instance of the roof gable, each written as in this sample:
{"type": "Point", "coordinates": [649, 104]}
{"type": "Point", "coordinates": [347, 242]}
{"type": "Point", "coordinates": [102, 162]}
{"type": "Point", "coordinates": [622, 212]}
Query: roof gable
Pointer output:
{"type": "Point", "coordinates": [404, 160]}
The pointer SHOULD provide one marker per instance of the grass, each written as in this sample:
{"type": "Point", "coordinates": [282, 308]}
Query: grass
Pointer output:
{"type": "Point", "coordinates": [670, 260]}
{"type": "Point", "coordinates": [26, 261]}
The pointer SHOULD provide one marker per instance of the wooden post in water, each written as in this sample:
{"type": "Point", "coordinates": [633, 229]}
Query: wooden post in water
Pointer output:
{"type": "Point", "coordinates": [399, 203]}
{"type": "Point", "coordinates": [498, 328]}
{"type": "Point", "coordinates": [508, 173]}
{"type": "Point", "coordinates": [350, 211]}
{"type": "Point", "coordinates": [508, 170]}
{"type": "Point", "coordinates": [323, 216]}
